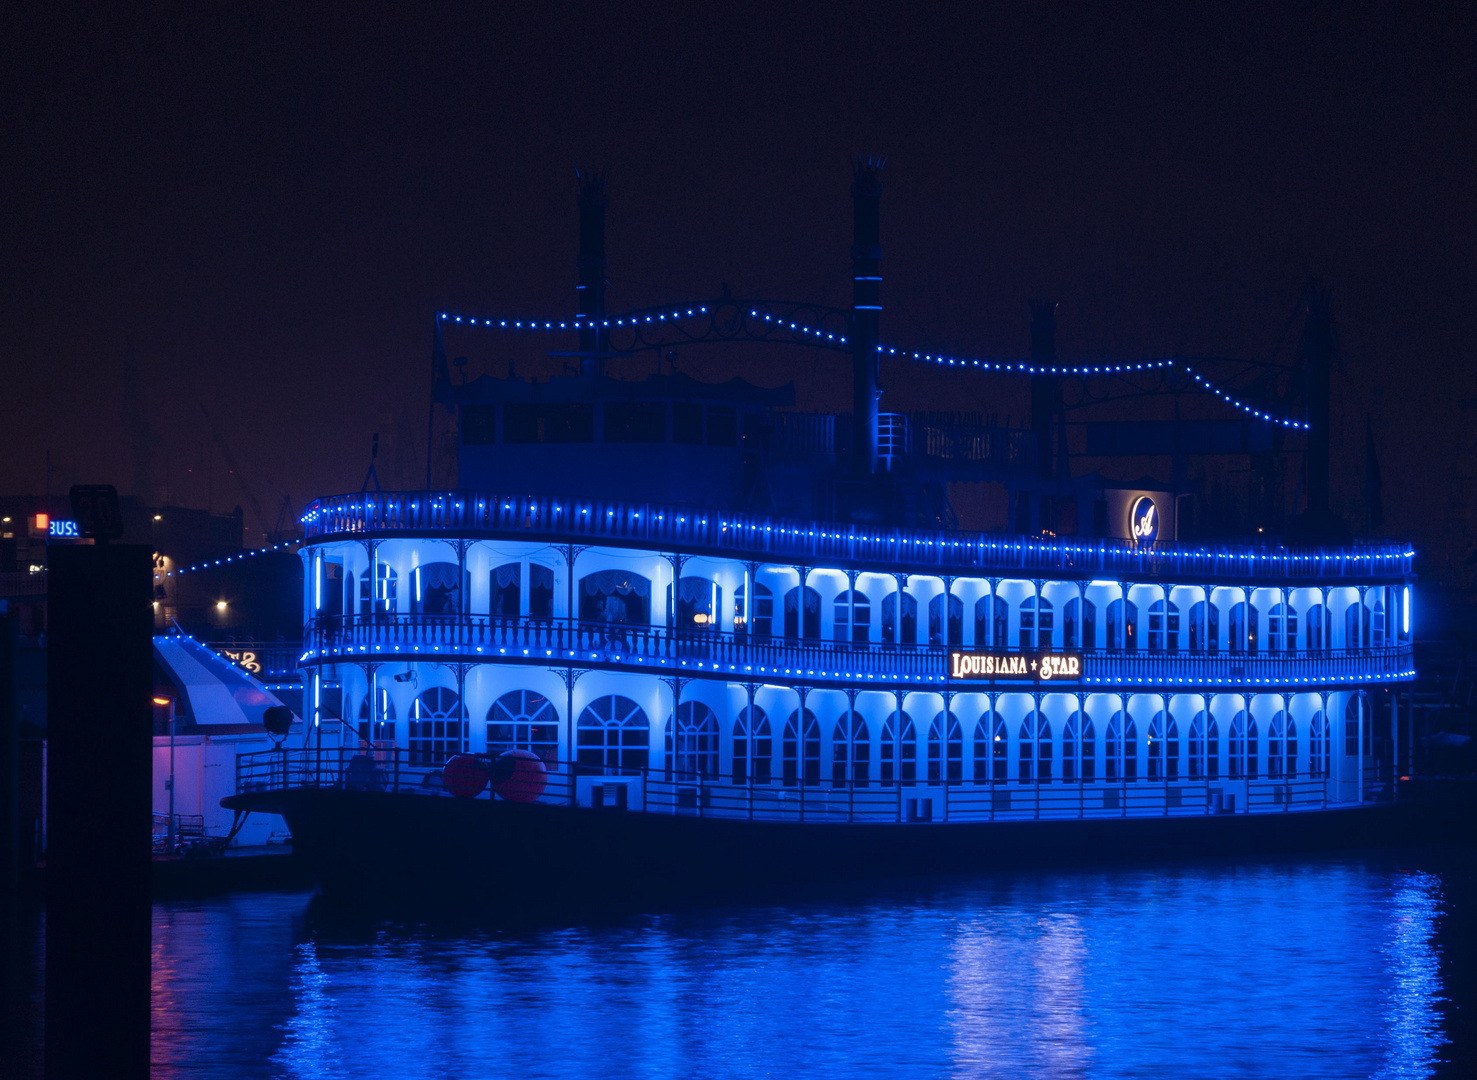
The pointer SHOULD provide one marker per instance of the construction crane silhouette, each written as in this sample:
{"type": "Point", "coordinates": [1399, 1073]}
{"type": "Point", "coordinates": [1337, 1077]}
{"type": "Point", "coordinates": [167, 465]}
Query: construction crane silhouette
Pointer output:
{"type": "Point", "coordinates": [274, 532]}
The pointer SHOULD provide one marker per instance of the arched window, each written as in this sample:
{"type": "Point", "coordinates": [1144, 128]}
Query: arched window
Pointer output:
{"type": "Point", "coordinates": [698, 603]}
{"type": "Point", "coordinates": [1089, 750]}
{"type": "Point", "coordinates": [904, 631]}
{"type": "Point", "coordinates": [758, 619]}
{"type": "Point", "coordinates": [385, 590]}
{"type": "Point", "coordinates": [615, 596]}
{"type": "Point", "coordinates": [540, 591]}
{"type": "Point", "coordinates": [1197, 626]}
{"type": "Point", "coordinates": [1000, 749]}
{"type": "Point", "coordinates": [1212, 749]}
{"type": "Point", "coordinates": [982, 621]}
{"type": "Point", "coordinates": [613, 733]}
{"type": "Point", "coordinates": [504, 595]}
{"type": "Point", "coordinates": [1315, 626]}
{"type": "Point", "coordinates": [1318, 746]}
{"type": "Point", "coordinates": [763, 747]}
{"type": "Point", "coordinates": [435, 589]}
{"type": "Point", "coordinates": [1123, 618]}
{"type": "Point", "coordinates": [379, 732]}
{"type": "Point", "coordinates": [850, 751]}
{"type": "Point", "coordinates": [1070, 733]}
{"type": "Point", "coordinates": [437, 729]}
{"type": "Point", "coordinates": [1169, 626]}
{"type": "Point", "coordinates": [1252, 763]}
{"type": "Point", "coordinates": [523, 720]}
{"type": "Point", "coordinates": [1236, 747]}
{"type": "Point", "coordinates": [1356, 626]}
{"type": "Point", "coordinates": [1036, 622]}
{"type": "Point", "coordinates": [982, 752]}
{"type": "Point", "coordinates": [1026, 748]}
{"type": "Point", "coordinates": [692, 742]}
{"type": "Point", "coordinates": [1275, 746]}
{"type": "Point", "coordinates": [1213, 631]}
{"type": "Point", "coordinates": [811, 624]}
{"type": "Point", "coordinates": [800, 750]}
{"type": "Point", "coordinates": [935, 620]}
{"type": "Point", "coordinates": [946, 739]}
{"type": "Point", "coordinates": [1377, 620]}
{"type": "Point", "coordinates": [853, 620]}
{"type": "Point", "coordinates": [1113, 748]}
{"type": "Point", "coordinates": [1086, 636]}
{"type": "Point", "coordinates": [1292, 748]}
{"type": "Point", "coordinates": [1254, 641]}
{"type": "Point", "coordinates": [1197, 747]}
{"type": "Point", "coordinates": [908, 751]}
{"type": "Point", "coordinates": [1172, 750]}
{"type": "Point", "coordinates": [887, 754]}
{"type": "Point", "coordinates": [1154, 751]}
{"type": "Point", "coordinates": [1156, 635]}
{"type": "Point", "coordinates": [1282, 628]}
{"type": "Point", "coordinates": [1130, 750]}
{"type": "Point", "coordinates": [1236, 627]}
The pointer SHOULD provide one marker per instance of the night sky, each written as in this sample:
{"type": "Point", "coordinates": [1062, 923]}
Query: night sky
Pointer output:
{"type": "Point", "coordinates": [258, 208]}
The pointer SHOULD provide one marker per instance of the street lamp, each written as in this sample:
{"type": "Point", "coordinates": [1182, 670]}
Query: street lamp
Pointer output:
{"type": "Point", "coordinates": [170, 702]}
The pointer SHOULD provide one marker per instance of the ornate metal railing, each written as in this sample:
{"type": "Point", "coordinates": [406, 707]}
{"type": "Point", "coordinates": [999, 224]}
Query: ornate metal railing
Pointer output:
{"type": "Point", "coordinates": [556, 519]}
{"type": "Point", "coordinates": [565, 641]}
{"type": "Point", "coordinates": [664, 791]}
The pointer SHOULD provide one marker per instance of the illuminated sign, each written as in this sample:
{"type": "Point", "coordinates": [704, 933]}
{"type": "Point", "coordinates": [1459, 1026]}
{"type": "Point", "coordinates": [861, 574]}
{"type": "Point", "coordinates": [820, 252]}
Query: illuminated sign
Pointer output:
{"type": "Point", "coordinates": [1015, 666]}
{"type": "Point", "coordinates": [63, 530]}
{"type": "Point", "coordinates": [1143, 520]}
{"type": "Point", "coordinates": [245, 660]}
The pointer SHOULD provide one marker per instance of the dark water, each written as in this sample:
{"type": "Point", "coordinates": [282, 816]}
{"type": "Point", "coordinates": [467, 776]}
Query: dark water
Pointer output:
{"type": "Point", "coordinates": [1341, 967]}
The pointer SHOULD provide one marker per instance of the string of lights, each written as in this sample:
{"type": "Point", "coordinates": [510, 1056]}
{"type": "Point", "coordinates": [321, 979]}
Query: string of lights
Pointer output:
{"type": "Point", "coordinates": [834, 340]}
{"type": "Point", "coordinates": [211, 564]}
{"type": "Point", "coordinates": [577, 323]}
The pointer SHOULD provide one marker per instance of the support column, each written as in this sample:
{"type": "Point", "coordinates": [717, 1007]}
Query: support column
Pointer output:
{"type": "Point", "coordinates": [1359, 712]}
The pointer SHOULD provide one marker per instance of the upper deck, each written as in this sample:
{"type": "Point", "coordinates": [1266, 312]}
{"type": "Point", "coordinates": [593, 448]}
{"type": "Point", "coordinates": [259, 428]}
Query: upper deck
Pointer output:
{"type": "Point", "coordinates": [559, 520]}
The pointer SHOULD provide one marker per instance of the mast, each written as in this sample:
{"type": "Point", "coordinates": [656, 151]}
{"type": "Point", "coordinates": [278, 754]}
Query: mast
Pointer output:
{"type": "Point", "coordinates": [1045, 389]}
{"type": "Point", "coordinates": [591, 266]}
{"type": "Point", "coordinates": [866, 310]}
{"type": "Point", "coordinates": [1317, 351]}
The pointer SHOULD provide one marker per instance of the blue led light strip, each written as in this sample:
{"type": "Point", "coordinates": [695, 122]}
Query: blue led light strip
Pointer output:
{"type": "Point", "coordinates": [677, 314]}
{"type": "Point", "coordinates": [211, 564]}
{"type": "Point", "coordinates": [823, 338]}
{"type": "Point", "coordinates": [1021, 367]}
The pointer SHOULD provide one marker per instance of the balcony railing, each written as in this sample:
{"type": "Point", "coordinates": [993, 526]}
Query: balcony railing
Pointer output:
{"type": "Point", "coordinates": [658, 648]}
{"type": "Point", "coordinates": [552, 518]}
{"type": "Point", "coordinates": [665, 791]}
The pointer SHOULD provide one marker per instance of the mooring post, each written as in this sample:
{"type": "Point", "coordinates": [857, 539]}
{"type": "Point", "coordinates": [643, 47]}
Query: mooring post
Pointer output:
{"type": "Point", "coordinates": [98, 860]}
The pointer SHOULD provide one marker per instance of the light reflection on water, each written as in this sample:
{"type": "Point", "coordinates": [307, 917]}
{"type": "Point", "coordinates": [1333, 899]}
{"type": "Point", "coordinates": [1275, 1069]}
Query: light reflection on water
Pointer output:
{"type": "Point", "coordinates": [1320, 969]}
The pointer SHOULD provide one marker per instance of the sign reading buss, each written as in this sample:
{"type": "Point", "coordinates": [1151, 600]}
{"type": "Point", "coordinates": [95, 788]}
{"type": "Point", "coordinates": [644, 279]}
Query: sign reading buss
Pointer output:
{"type": "Point", "coordinates": [1015, 666]}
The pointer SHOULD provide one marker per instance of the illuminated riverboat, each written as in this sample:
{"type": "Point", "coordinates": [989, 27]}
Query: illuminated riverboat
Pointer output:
{"type": "Point", "coordinates": [719, 672]}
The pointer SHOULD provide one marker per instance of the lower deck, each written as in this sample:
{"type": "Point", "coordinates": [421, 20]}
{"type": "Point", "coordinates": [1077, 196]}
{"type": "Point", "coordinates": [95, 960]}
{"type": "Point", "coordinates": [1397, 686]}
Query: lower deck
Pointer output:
{"type": "Point", "coordinates": [667, 791]}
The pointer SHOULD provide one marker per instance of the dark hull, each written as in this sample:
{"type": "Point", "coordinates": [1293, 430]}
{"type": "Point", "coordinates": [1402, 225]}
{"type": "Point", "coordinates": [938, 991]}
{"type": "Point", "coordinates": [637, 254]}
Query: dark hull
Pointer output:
{"type": "Point", "coordinates": [367, 846]}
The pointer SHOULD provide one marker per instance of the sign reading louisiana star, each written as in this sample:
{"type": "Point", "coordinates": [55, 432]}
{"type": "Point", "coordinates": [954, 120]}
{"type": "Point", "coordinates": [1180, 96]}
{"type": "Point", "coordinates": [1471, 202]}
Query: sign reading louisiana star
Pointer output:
{"type": "Point", "coordinates": [1015, 666]}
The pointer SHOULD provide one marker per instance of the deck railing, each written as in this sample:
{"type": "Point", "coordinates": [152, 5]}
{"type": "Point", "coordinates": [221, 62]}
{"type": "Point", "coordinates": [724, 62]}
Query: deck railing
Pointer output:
{"type": "Point", "coordinates": [565, 640]}
{"type": "Point", "coordinates": [665, 791]}
{"type": "Point", "coordinates": [555, 518]}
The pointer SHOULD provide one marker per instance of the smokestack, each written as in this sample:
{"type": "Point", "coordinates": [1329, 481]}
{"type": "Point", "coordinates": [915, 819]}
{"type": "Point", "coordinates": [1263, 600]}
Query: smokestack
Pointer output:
{"type": "Point", "coordinates": [1044, 388]}
{"type": "Point", "coordinates": [591, 265]}
{"type": "Point", "coordinates": [866, 310]}
{"type": "Point", "coordinates": [1317, 354]}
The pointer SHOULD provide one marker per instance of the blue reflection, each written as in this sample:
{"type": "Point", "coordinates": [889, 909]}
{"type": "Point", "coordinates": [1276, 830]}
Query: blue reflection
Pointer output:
{"type": "Point", "coordinates": [1325, 969]}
